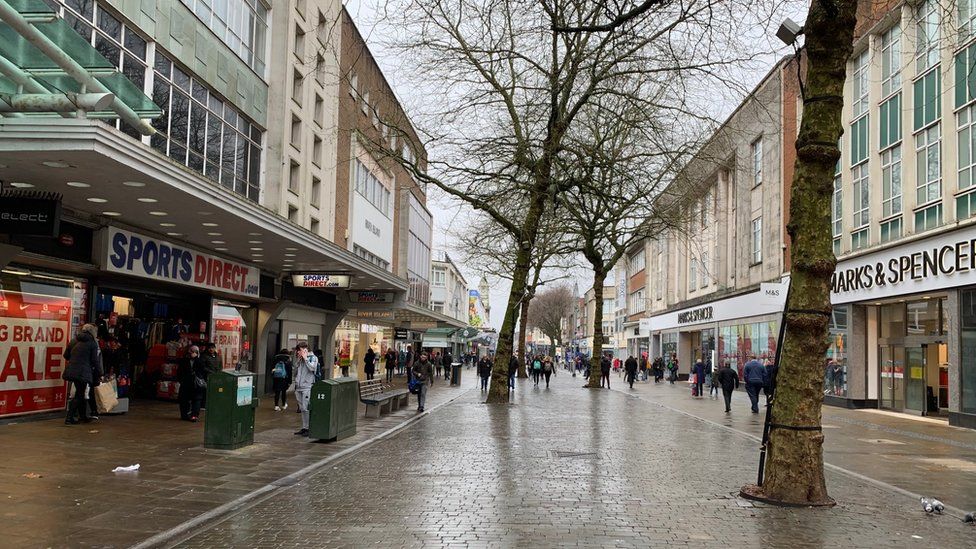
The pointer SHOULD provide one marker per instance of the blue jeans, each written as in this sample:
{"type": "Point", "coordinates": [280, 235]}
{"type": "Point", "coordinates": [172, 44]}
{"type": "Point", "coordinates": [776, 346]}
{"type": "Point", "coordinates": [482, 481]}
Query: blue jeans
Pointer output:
{"type": "Point", "coordinates": [484, 384]}
{"type": "Point", "coordinates": [422, 397]}
{"type": "Point", "coordinates": [753, 390]}
{"type": "Point", "coordinates": [511, 381]}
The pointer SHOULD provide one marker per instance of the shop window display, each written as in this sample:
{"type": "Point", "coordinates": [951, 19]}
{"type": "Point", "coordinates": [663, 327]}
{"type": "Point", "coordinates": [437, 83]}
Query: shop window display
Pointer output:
{"type": "Point", "coordinates": [739, 341]}
{"type": "Point", "coordinates": [669, 344]}
{"type": "Point", "coordinates": [968, 351]}
{"type": "Point", "coordinates": [835, 369]}
{"type": "Point", "coordinates": [39, 314]}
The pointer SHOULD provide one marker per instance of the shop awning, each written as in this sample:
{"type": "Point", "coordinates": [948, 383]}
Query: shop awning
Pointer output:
{"type": "Point", "coordinates": [48, 68]}
{"type": "Point", "coordinates": [418, 318]}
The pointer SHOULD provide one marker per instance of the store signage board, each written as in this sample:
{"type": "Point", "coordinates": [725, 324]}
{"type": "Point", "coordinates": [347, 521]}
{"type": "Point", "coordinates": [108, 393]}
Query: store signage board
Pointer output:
{"type": "Point", "coordinates": [401, 333]}
{"type": "Point", "coordinates": [740, 306]}
{"type": "Point", "coordinates": [943, 261]}
{"type": "Point", "coordinates": [156, 259]}
{"type": "Point", "coordinates": [375, 315]}
{"type": "Point", "coordinates": [320, 280]}
{"type": "Point", "coordinates": [34, 332]}
{"type": "Point", "coordinates": [423, 325]}
{"type": "Point", "coordinates": [30, 213]}
{"type": "Point", "coordinates": [371, 297]}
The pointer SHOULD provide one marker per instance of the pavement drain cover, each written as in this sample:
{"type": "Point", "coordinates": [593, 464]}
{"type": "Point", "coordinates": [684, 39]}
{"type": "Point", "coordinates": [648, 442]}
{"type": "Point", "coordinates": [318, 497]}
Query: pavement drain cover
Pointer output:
{"type": "Point", "coordinates": [881, 441]}
{"type": "Point", "coordinates": [572, 454]}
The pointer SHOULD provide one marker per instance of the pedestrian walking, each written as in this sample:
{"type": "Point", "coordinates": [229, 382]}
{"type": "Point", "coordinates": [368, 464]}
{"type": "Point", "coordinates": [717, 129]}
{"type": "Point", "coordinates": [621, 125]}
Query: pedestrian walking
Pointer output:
{"type": "Point", "coordinates": [755, 375]}
{"type": "Point", "coordinates": [422, 372]}
{"type": "Point", "coordinates": [211, 358]}
{"type": "Point", "coordinates": [369, 363]}
{"type": "Point", "coordinates": [728, 379]}
{"type": "Point", "coordinates": [699, 379]}
{"type": "Point", "coordinates": [630, 367]}
{"type": "Point", "coordinates": [281, 378]}
{"type": "Point", "coordinates": [643, 367]}
{"type": "Point", "coordinates": [536, 369]}
{"type": "Point", "coordinates": [673, 368]}
{"type": "Point", "coordinates": [711, 380]}
{"type": "Point", "coordinates": [605, 370]}
{"type": "Point", "coordinates": [391, 364]}
{"type": "Point", "coordinates": [548, 369]}
{"type": "Point", "coordinates": [306, 366]}
{"type": "Point", "coordinates": [512, 371]}
{"type": "Point", "coordinates": [410, 359]}
{"type": "Point", "coordinates": [772, 369]}
{"type": "Point", "coordinates": [658, 367]}
{"type": "Point", "coordinates": [83, 370]}
{"type": "Point", "coordinates": [192, 373]}
{"type": "Point", "coordinates": [436, 360]}
{"type": "Point", "coordinates": [484, 372]}
{"type": "Point", "coordinates": [448, 361]}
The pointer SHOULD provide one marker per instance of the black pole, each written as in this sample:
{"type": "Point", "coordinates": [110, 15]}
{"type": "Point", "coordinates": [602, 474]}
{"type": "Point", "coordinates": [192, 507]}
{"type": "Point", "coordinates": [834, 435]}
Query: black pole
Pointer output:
{"type": "Point", "coordinates": [769, 399]}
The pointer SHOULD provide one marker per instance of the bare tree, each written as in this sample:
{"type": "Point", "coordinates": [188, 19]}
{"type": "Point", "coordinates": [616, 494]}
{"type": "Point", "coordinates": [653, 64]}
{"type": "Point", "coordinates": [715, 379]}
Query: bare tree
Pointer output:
{"type": "Point", "coordinates": [794, 469]}
{"type": "Point", "coordinates": [548, 310]}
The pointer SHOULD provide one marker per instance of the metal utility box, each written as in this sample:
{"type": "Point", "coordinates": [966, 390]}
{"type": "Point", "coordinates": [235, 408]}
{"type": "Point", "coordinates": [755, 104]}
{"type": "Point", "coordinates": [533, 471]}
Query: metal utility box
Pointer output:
{"type": "Point", "coordinates": [332, 408]}
{"type": "Point", "coordinates": [456, 373]}
{"type": "Point", "coordinates": [229, 421]}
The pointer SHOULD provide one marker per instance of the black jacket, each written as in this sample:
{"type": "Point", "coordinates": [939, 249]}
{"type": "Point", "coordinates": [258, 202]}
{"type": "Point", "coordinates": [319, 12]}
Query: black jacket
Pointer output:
{"type": "Point", "coordinates": [447, 360]}
{"type": "Point", "coordinates": [84, 360]}
{"type": "Point", "coordinates": [286, 358]}
{"type": "Point", "coordinates": [512, 366]}
{"type": "Point", "coordinates": [484, 367]}
{"type": "Point", "coordinates": [391, 359]}
{"type": "Point", "coordinates": [605, 365]}
{"type": "Point", "coordinates": [369, 362]}
{"type": "Point", "coordinates": [630, 365]}
{"type": "Point", "coordinates": [771, 372]}
{"type": "Point", "coordinates": [728, 378]}
{"type": "Point", "coordinates": [189, 368]}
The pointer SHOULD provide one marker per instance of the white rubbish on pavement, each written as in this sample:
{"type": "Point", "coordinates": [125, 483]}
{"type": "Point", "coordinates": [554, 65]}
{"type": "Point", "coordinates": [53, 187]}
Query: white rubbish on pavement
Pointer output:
{"type": "Point", "coordinates": [126, 469]}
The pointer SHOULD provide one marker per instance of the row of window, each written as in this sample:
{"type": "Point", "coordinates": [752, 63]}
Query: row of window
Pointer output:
{"type": "Point", "coordinates": [371, 257]}
{"type": "Point", "coordinates": [370, 188]}
{"type": "Point", "coordinates": [240, 24]}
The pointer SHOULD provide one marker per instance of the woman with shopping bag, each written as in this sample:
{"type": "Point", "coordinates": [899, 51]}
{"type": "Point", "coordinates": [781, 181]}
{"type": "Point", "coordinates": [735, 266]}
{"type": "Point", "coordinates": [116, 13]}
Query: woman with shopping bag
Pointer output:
{"type": "Point", "coordinates": [83, 371]}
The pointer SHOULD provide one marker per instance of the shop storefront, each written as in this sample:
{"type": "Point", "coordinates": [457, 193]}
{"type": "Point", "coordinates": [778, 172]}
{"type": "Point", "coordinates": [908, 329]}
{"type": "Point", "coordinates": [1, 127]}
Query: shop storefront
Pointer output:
{"type": "Point", "coordinates": [725, 331]}
{"type": "Point", "coordinates": [903, 327]}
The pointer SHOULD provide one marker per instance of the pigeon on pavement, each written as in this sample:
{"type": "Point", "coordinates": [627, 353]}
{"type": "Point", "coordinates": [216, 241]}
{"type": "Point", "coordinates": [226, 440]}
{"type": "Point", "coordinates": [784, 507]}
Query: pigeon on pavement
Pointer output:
{"type": "Point", "coordinates": [970, 517]}
{"type": "Point", "coordinates": [926, 505]}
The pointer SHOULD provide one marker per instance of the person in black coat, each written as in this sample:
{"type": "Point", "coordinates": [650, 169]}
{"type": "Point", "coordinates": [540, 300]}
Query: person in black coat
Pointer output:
{"type": "Point", "coordinates": [280, 383]}
{"type": "Point", "coordinates": [369, 363]}
{"type": "Point", "coordinates": [512, 371]}
{"type": "Point", "coordinates": [484, 372]}
{"type": "Point", "coordinates": [771, 370]}
{"type": "Point", "coordinates": [83, 371]}
{"type": "Point", "coordinates": [605, 370]}
{"type": "Point", "coordinates": [446, 361]}
{"type": "Point", "coordinates": [391, 364]}
{"type": "Point", "coordinates": [728, 379]}
{"type": "Point", "coordinates": [192, 374]}
{"type": "Point", "coordinates": [630, 367]}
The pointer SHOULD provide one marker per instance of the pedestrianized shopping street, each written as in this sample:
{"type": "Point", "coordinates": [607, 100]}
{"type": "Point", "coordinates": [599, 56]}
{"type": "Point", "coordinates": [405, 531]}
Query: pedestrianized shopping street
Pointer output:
{"type": "Point", "coordinates": [591, 468]}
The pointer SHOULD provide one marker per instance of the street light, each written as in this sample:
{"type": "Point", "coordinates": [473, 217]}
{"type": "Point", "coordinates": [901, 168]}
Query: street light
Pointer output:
{"type": "Point", "coordinates": [788, 31]}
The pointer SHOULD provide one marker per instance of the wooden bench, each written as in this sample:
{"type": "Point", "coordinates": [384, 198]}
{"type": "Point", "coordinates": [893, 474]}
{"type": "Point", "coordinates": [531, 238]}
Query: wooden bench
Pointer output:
{"type": "Point", "coordinates": [377, 397]}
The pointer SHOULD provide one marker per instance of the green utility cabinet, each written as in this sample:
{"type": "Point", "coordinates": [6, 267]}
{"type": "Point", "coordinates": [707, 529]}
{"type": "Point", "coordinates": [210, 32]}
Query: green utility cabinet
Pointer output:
{"type": "Point", "coordinates": [332, 408]}
{"type": "Point", "coordinates": [229, 421]}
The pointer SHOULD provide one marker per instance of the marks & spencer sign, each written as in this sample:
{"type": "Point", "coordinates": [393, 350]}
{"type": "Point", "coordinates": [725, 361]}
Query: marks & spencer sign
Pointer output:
{"type": "Point", "coordinates": [149, 257]}
{"type": "Point", "coordinates": [943, 261]}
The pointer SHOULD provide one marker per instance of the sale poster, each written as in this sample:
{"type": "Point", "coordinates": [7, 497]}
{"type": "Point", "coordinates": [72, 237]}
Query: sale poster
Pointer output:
{"type": "Point", "coordinates": [227, 337]}
{"type": "Point", "coordinates": [34, 331]}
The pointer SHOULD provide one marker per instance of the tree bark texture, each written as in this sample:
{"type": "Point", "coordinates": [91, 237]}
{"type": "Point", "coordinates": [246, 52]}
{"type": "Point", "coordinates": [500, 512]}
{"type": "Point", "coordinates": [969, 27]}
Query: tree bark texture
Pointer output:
{"type": "Point", "coordinates": [794, 468]}
{"type": "Point", "coordinates": [599, 277]}
{"type": "Point", "coordinates": [523, 328]}
{"type": "Point", "coordinates": [498, 389]}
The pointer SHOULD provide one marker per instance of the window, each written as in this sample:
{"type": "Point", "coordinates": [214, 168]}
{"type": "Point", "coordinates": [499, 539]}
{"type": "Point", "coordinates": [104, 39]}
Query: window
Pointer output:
{"type": "Point", "coordinates": [927, 35]}
{"type": "Point", "coordinates": [928, 218]}
{"type": "Point", "coordinates": [890, 112]}
{"type": "Point", "coordinates": [659, 270]}
{"type": "Point", "coordinates": [367, 185]}
{"type": "Point", "coordinates": [860, 239]}
{"type": "Point", "coordinates": [859, 140]}
{"type": "Point", "coordinates": [928, 163]}
{"type": "Point", "coordinates": [965, 75]}
{"type": "Point", "coordinates": [320, 69]}
{"type": "Point", "coordinates": [317, 151]}
{"type": "Point", "coordinates": [692, 273]}
{"type": "Point", "coordinates": [313, 225]}
{"type": "Point", "coordinates": [294, 176]}
{"type": "Point", "coordinates": [757, 157]}
{"type": "Point", "coordinates": [837, 210]}
{"type": "Point", "coordinates": [891, 230]}
{"type": "Point", "coordinates": [861, 86]}
{"type": "Point", "coordinates": [240, 24]}
{"type": "Point", "coordinates": [296, 132]}
{"type": "Point", "coordinates": [861, 191]}
{"type": "Point", "coordinates": [636, 302]}
{"type": "Point", "coordinates": [299, 45]}
{"type": "Point", "coordinates": [353, 84]}
{"type": "Point", "coordinates": [316, 194]}
{"type": "Point", "coordinates": [372, 258]}
{"type": "Point", "coordinates": [319, 112]}
{"type": "Point", "coordinates": [891, 182]}
{"type": "Point", "coordinates": [440, 278]}
{"type": "Point", "coordinates": [928, 107]}
{"type": "Point", "coordinates": [891, 60]}
{"type": "Point", "coordinates": [201, 131]}
{"type": "Point", "coordinates": [418, 252]}
{"type": "Point", "coordinates": [966, 152]}
{"type": "Point", "coordinates": [297, 81]}
{"type": "Point", "coordinates": [364, 103]}
{"type": "Point", "coordinates": [966, 18]}
{"type": "Point", "coordinates": [757, 240]}
{"type": "Point", "coordinates": [636, 263]}
{"type": "Point", "coordinates": [292, 214]}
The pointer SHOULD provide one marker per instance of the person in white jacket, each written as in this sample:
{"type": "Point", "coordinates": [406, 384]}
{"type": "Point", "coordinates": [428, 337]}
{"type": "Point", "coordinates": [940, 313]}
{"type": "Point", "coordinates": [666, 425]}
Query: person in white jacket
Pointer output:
{"type": "Point", "coordinates": [305, 367]}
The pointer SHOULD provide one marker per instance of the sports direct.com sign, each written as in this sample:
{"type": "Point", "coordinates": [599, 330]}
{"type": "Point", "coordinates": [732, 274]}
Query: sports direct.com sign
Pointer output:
{"type": "Point", "coordinates": [34, 331]}
{"type": "Point", "coordinates": [148, 257]}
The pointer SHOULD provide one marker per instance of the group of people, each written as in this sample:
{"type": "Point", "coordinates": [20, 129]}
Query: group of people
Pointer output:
{"type": "Point", "coordinates": [758, 377]}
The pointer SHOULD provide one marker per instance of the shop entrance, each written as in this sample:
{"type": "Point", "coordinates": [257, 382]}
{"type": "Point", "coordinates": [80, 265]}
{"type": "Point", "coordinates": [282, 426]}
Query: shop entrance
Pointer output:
{"type": "Point", "coordinates": [914, 355]}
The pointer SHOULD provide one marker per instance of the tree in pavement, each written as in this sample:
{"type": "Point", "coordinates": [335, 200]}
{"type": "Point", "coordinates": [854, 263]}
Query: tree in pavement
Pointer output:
{"type": "Point", "coordinates": [548, 310]}
{"type": "Point", "coordinates": [794, 467]}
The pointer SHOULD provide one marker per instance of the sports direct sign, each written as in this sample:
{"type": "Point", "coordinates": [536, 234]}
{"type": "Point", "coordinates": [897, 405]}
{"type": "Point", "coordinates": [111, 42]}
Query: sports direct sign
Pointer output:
{"type": "Point", "coordinates": [34, 331]}
{"type": "Point", "coordinates": [149, 257]}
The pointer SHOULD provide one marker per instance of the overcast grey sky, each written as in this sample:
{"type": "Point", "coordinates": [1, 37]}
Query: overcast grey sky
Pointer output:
{"type": "Point", "coordinates": [449, 213]}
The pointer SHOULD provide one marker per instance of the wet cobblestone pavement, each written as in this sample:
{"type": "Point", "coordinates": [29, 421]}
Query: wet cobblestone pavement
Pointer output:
{"type": "Point", "coordinates": [567, 467]}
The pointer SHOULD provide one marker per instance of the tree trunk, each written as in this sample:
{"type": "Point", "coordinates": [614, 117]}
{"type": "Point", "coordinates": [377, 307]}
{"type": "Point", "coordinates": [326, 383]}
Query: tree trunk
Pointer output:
{"type": "Point", "coordinates": [598, 278]}
{"type": "Point", "coordinates": [498, 389]}
{"type": "Point", "coordinates": [523, 321]}
{"type": "Point", "coordinates": [794, 468]}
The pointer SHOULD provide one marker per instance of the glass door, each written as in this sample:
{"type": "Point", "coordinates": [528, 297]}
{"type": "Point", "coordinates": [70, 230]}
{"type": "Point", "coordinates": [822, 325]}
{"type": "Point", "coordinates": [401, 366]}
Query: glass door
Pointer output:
{"type": "Point", "coordinates": [892, 377]}
{"type": "Point", "coordinates": [915, 379]}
